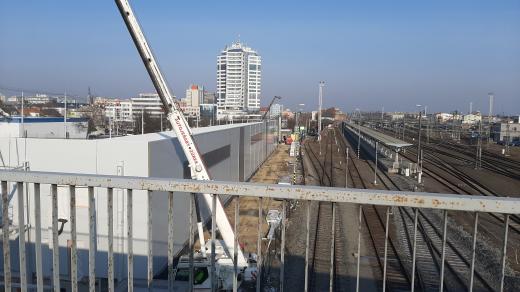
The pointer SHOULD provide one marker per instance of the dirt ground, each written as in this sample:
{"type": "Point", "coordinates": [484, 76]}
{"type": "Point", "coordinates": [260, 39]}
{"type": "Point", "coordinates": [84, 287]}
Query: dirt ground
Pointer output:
{"type": "Point", "coordinates": [275, 167]}
{"type": "Point", "coordinates": [514, 152]}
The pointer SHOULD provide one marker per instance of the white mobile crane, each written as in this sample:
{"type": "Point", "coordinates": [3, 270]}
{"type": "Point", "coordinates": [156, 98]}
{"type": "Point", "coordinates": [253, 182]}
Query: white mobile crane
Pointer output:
{"type": "Point", "coordinates": [184, 135]}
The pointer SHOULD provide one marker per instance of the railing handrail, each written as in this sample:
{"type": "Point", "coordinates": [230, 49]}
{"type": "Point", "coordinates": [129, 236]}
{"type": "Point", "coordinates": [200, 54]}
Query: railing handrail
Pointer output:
{"type": "Point", "coordinates": [478, 203]}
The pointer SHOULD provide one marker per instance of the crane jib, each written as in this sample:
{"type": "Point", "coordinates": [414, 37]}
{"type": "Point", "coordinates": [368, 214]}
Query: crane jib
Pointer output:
{"type": "Point", "coordinates": [186, 141]}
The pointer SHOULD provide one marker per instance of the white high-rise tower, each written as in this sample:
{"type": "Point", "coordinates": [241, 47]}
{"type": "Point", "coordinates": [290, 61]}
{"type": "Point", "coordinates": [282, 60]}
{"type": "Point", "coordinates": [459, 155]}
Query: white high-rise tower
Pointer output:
{"type": "Point", "coordinates": [238, 81]}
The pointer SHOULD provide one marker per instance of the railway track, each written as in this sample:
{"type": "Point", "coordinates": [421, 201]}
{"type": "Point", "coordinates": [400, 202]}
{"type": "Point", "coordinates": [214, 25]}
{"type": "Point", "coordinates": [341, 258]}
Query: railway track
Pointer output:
{"type": "Point", "coordinates": [397, 276]}
{"type": "Point", "coordinates": [322, 249]}
{"type": "Point", "coordinates": [429, 249]}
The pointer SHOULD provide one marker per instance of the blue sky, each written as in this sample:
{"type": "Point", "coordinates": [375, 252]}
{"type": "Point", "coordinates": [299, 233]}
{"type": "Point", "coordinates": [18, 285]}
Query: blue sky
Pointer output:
{"type": "Point", "coordinates": [395, 54]}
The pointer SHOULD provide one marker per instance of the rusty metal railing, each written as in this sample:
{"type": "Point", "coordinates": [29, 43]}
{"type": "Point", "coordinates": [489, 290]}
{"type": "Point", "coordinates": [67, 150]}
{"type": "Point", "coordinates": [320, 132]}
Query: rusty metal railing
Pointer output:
{"type": "Point", "coordinates": [409, 200]}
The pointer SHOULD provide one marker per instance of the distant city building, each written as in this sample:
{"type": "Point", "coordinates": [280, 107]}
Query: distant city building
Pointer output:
{"type": "Point", "coordinates": [194, 95]}
{"type": "Point", "coordinates": [190, 104]}
{"type": "Point", "coordinates": [505, 132]}
{"type": "Point", "coordinates": [14, 99]}
{"type": "Point", "coordinates": [276, 110]}
{"type": "Point", "coordinates": [238, 81]}
{"type": "Point", "coordinates": [2, 98]}
{"type": "Point", "coordinates": [472, 118]}
{"type": "Point", "coordinates": [445, 117]}
{"type": "Point", "coordinates": [149, 102]}
{"type": "Point", "coordinates": [119, 110]}
{"type": "Point", "coordinates": [396, 116]}
{"type": "Point", "coordinates": [35, 99]}
{"type": "Point", "coordinates": [209, 98]}
{"type": "Point", "coordinates": [208, 110]}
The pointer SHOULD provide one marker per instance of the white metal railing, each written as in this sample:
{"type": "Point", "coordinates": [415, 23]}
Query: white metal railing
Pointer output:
{"type": "Point", "coordinates": [416, 200]}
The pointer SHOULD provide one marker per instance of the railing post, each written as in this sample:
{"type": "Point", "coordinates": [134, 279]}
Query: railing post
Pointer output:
{"type": "Point", "coordinates": [282, 247]}
{"type": "Point", "coordinates": [360, 221]}
{"type": "Point", "coordinates": [21, 238]}
{"type": "Point", "coordinates": [235, 247]}
{"type": "Point", "coordinates": [73, 234]}
{"type": "Point", "coordinates": [504, 253]}
{"type": "Point", "coordinates": [149, 242]}
{"type": "Point", "coordinates": [332, 248]}
{"type": "Point", "coordinates": [443, 256]}
{"type": "Point", "coordinates": [110, 215]}
{"type": "Point", "coordinates": [386, 247]}
{"type": "Point", "coordinates": [92, 240]}
{"type": "Point", "coordinates": [259, 246]}
{"type": "Point", "coordinates": [213, 241]}
{"type": "Point", "coordinates": [5, 237]}
{"type": "Point", "coordinates": [130, 239]}
{"type": "Point", "coordinates": [170, 241]}
{"type": "Point", "coordinates": [307, 243]}
{"type": "Point", "coordinates": [55, 243]}
{"type": "Point", "coordinates": [414, 252]}
{"type": "Point", "coordinates": [38, 237]}
{"type": "Point", "coordinates": [191, 241]}
{"type": "Point", "coordinates": [472, 269]}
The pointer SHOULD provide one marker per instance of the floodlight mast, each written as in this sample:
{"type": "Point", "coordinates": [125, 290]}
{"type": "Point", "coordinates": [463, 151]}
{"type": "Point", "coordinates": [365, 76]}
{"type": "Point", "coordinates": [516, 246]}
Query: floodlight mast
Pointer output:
{"type": "Point", "coordinates": [178, 122]}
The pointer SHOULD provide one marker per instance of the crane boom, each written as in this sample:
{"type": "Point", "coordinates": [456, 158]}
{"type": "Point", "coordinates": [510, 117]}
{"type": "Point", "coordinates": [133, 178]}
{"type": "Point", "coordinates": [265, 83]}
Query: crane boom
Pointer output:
{"type": "Point", "coordinates": [179, 123]}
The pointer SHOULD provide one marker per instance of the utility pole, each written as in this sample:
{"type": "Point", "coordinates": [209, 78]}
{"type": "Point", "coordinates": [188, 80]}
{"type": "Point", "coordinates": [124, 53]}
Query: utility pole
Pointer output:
{"type": "Point", "coordinates": [506, 142]}
{"type": "Point", "coordinates": [478, 159]}
{"type": "Point", "coordinates": [490, 115]}
{"type": "Point", "coordinates": [142, 122]}
{"type": "Point", "coordinates": [320, 103]}
{"type": "Point", "coordinates": [419, 139]}
{"type": "Point", "coordinates": [382, 116]}
{"type": "Point", "coordinates": [22, 115]}
{"type": "Point", "coordinates": [65, 116]}
{"type": "Point", "coordinates": [404, 124]}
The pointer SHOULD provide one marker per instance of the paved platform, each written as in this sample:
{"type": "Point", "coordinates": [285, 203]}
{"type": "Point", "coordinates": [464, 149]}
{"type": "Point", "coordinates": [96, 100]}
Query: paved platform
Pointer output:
{"type": "Point", "coordinates": [378, 136]}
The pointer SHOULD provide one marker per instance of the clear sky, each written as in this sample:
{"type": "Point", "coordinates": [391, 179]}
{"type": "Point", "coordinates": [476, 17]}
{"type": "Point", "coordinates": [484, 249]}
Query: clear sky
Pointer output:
{"type": "Point", "coordinates": [396, 54]}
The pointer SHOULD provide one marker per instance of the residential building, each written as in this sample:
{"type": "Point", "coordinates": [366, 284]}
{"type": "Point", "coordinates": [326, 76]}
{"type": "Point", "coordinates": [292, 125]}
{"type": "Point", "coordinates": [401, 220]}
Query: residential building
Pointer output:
{"type": "Point", "coordinates": [238, 81]}
{"type": "Point", "coordinates": [445, 117]}
{"type": "Point", "coordinates": [208, 110]}
{"type": "Point", "coordinates": [276, 110]}
{"type": "Point", "coordinates": [472, 118]}
{"type": "Point", "coordinates": [397, 116]}
{"type": "Point", "coordinates": [33, 99]}
{"type": "Point", "coordinates": [506, 132]}
{"type": "Point", "coordinates": [119, 110]}
{"type": "Point", "coordinates": [150, 102]}
{"type": "Point", "coordinates": [194, 95]}
{"type": "Point", "coordinates": [209, 98]}
{"type": "Point", "coordinates": [190, 104]}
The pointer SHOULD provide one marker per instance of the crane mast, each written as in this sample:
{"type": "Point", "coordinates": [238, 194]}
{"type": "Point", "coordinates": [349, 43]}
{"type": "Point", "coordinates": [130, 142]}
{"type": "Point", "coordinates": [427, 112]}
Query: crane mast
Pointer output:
{"type": "Point", "coordinates": [179, 124]}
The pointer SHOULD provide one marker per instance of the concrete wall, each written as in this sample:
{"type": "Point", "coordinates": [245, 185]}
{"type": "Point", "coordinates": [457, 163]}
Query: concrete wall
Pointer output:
{"type": "Point", "coordinates": [231, 152]}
